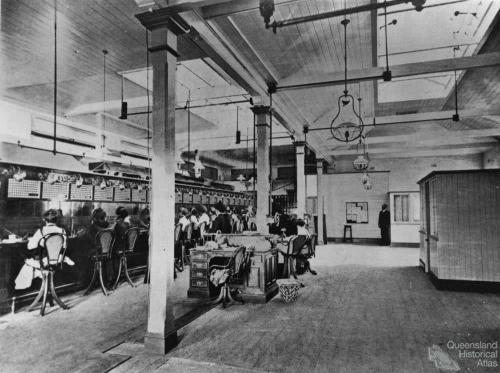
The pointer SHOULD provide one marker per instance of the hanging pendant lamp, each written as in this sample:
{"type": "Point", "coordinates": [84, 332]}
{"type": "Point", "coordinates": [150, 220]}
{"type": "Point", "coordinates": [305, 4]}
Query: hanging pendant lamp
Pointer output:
{"type": "Point", "coordinates": [346, 125]}
{"type": "Point", "coordinates": [362, 161]}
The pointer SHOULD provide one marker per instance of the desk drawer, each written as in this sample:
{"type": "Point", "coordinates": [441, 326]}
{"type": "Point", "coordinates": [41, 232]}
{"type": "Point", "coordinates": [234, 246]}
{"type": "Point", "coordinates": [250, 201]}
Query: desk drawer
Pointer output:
{"type": "Point", "coordinates": [198, 256]}
{"type": "Point", "coordinates": [198, 265]}
{"type": "Point", "coordinates": [199, 273]}
{"type": "Point", "coordinates": [198, 283]}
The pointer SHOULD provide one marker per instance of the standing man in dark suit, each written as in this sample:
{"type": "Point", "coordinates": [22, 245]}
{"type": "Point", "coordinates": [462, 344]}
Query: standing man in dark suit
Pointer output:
{"type": "Point", "coordinates": [384, 223]}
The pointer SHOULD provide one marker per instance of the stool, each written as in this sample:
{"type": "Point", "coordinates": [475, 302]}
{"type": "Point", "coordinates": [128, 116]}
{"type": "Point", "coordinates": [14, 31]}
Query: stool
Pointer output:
{"type": "Point", "coordinates": [347, 228]}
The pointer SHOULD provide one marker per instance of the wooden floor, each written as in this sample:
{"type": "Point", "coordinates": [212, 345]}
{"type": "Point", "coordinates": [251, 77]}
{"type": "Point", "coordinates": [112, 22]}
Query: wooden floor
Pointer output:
{"type": "Point", "coordinates": [369, 309]}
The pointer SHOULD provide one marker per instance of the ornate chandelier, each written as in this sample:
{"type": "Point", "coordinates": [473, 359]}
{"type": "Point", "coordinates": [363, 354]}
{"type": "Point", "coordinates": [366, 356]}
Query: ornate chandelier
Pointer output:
{"type": "Point", "coordinates": [346, 125]}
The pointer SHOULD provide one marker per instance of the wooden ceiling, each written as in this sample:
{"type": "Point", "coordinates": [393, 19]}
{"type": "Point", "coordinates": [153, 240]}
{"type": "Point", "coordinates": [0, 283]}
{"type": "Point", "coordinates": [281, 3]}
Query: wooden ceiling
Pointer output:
{"type": "Point", "coordinates": [249, 56]}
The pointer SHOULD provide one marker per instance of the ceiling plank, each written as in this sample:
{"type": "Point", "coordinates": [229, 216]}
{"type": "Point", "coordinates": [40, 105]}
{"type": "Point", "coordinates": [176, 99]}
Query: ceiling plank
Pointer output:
{"type": "Point", "coordinates": [398, 71]}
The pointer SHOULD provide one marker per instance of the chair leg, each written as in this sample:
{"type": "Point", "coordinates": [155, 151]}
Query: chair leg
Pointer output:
{"type": "Point", "coordinates": [44, 299]}
{"type": "Point", "coordinates": [284, 274]}
{"type": "Point", "coordinates": [54, 294]}
{"type": "Point", "coordinates": [125, 270]}
{"type": "Point", "coordinates": [103, 288]}
{"type": "Point", "coordinates": [233, 300]}
{"type": "Point", "coordinates": [37, 299]}
{"type": "Point", "coordinates": [220, 297]}
{"type": "Point", "coordinates": [308, 268]}
{"type": "Point", "coordinates": [119, 273]}
{"type": "Point", "coordinates": [224, 296]}
{"type": "Point", "coordinates": [91, 284]}
{"type": "Point", "coordinates": [292, 268]}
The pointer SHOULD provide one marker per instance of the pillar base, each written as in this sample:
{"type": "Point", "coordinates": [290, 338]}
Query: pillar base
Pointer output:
{"type": "Point", "coordinates": [159, 343]}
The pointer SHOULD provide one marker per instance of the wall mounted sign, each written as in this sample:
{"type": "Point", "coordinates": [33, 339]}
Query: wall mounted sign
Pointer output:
{"type": "Point", "coordinates": [356, 212]}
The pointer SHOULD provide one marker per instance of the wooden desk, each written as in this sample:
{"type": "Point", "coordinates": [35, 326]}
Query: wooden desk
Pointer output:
{"type": "Point", "coordinates": [259, 285]}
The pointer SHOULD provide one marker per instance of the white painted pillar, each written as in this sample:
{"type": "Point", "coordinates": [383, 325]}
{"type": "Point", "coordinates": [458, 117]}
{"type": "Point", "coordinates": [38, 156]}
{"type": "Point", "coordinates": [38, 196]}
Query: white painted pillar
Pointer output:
{"type": "Point", "coordinates": [301, 178]}
{"type": "Point", "coordinates": [263, 169]}
{"type": "Point", "coordinates": [321, 198]}
{"type": "Point", "coordinates": [161, 335]}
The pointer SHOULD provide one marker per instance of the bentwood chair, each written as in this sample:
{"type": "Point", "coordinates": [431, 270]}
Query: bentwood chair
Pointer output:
{"type": "Point", "coordinates": [295, 246]}
{"type": "Point", "coordinates": [307, 251]}
{"type": "Point", "coordinates": [104, 242]}
{"type": "Point", "coordinates": [52, 254]}
{"type": "Point", "coordinates": [130, 239]}
{"type": "Point", "coordinates": [233, 272]}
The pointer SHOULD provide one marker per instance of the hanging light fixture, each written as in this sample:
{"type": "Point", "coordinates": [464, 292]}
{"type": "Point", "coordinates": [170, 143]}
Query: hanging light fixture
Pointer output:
{"type": "Point", "coordinates": [124, 108]}
{"type": "Point", "coordinates": [456, 116]}
{"type": "Point", "coordinates": [387, 74]}
{"type": "Point", "coordinates": [347, 124]}
{"type": "Point", "coordinates": [238, 132]}
{"type": "Point", "coordinates": [362, 161]}
{"type": "Point", "coordinates": [366, 181]}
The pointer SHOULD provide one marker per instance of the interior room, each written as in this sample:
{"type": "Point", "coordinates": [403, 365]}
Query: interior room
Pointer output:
{"type": "Point", "coordinates": [249, 185]}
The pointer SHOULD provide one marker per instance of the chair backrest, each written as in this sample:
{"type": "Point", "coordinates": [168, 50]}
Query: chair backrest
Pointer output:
{"type": "Point", "coordinates": [238, 260]}
{"type": "Point", "coordinates": [105, 240]}
{"type": "Point", "coordinates": [298, 244]}
{"type": "Point", "coordinates": [177, 232]}
{"type": "Point", "coordinates": [131, 235]}
{"type": "Point", "coordinates": [53, 249]}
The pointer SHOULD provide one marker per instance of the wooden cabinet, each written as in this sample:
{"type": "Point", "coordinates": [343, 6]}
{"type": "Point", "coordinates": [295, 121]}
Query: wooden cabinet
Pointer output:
{"type": "Point", "coordinates": [459, 229]}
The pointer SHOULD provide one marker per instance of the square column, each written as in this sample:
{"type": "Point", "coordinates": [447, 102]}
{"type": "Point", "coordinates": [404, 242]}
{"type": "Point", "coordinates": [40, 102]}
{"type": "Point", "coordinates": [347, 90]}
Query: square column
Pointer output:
{"type": "Point", "coordinates": [301, 178]}
{"type": "Point", "coordinates": [161, 334]}
{"type": "Point", "coordinates": [263, 169]}
{"type": "Point", "coordinates": [320, 167]}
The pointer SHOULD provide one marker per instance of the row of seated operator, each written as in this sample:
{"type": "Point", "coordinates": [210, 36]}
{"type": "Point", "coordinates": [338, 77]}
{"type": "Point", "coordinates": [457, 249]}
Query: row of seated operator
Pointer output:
{"type": "Point", "coordinates": [217, 218]}
{"type": "Point", "coordinates": [99, 222]}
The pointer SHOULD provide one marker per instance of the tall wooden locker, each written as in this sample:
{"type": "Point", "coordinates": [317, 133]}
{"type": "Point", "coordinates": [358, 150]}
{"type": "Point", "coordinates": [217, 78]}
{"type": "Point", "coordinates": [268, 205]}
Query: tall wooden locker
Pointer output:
{"type": "Point", "coordinates": [460, 225]}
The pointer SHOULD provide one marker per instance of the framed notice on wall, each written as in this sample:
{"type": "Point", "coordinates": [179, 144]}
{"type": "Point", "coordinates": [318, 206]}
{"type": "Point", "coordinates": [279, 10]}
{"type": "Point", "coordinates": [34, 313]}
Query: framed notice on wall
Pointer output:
{"type": "Point", "coordinates": [356, 212]}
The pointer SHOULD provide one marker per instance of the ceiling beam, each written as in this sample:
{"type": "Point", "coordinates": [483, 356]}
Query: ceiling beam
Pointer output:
{"type": "Point", "coordinates": [222, 9]}
{"type": "Point", "coordinates": [432, 153]}
{"type": "Point", "coordinates": [463, 136]}
{"type": "Point", "coordinates": [411, 143]}
{"type": "Point", "coordinates": [480, 147]}
{"type": "Point", "coordinates": [398, 71]}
